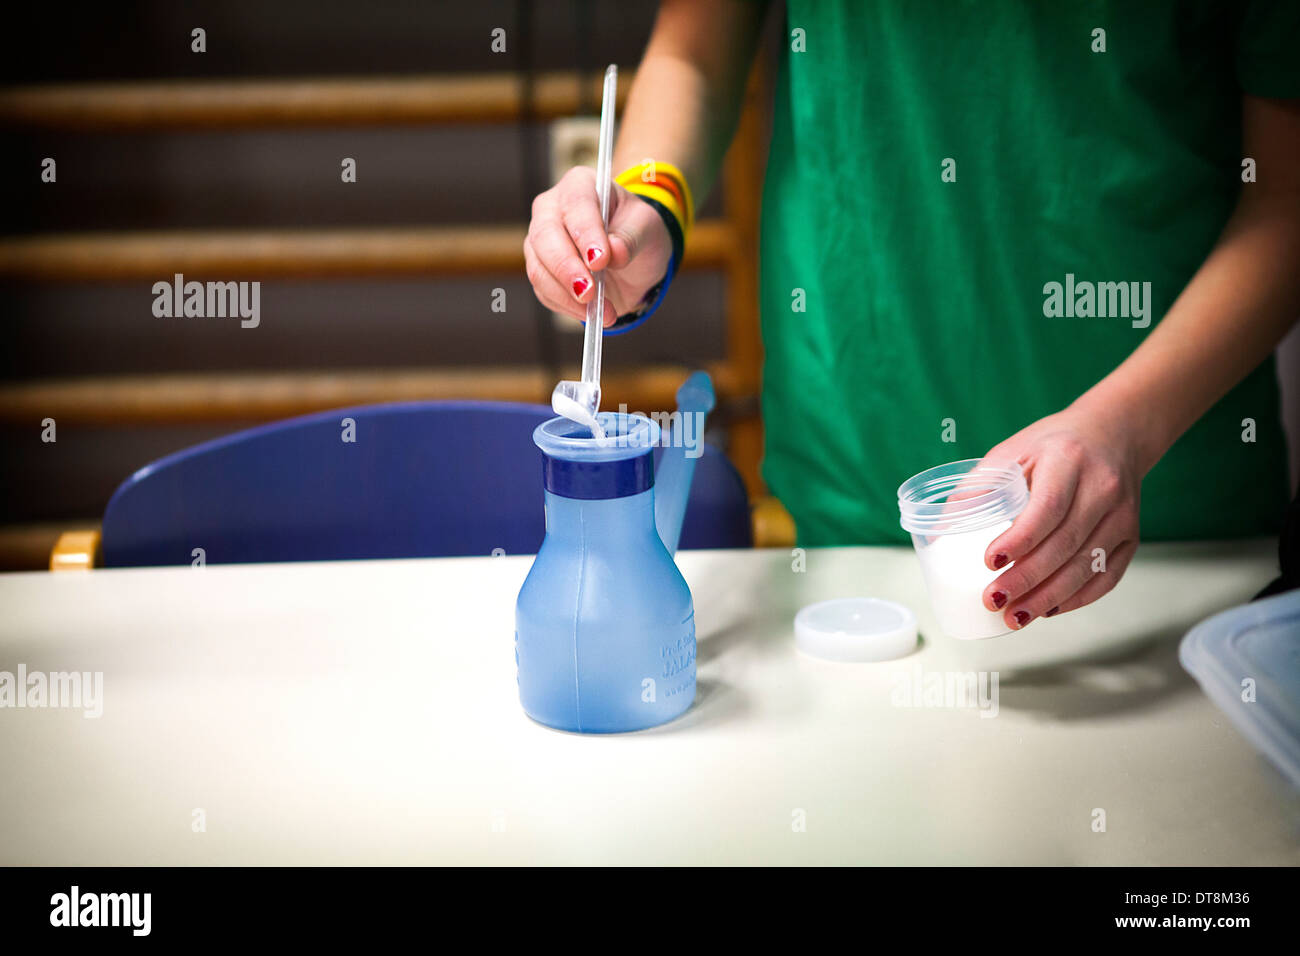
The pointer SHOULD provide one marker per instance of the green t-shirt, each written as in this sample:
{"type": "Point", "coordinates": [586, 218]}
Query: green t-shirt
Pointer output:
{"type": "Point", "coordinates": [934, 166]}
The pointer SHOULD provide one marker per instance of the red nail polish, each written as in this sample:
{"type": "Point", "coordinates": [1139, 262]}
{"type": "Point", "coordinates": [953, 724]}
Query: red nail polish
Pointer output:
{"type": "Point", "coordinates": [999, 599]}
{"type": "Point", "coordinates": [580, 286]}
{"type": "Point", "coordinates": [1053, 611]}
{"type": "Point", "coordinates": [594, 253]}
{"type": "Point", "coordinates": [1022, 618]}
{"type": "Point", "coordinates": [999, 560]}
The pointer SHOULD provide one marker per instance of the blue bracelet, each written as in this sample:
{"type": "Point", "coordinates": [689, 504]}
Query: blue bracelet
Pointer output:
{"type": "Point", "coordinates": [652, 299]}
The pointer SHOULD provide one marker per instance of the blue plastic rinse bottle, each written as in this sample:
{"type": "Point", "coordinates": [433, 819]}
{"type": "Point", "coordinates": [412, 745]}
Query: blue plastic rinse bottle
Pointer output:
{"type": "Point", "coordinates": [605, 625]}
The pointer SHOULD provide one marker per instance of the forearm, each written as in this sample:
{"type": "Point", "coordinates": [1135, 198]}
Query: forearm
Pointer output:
{"type": "Point", "coordinates": [684, 103]}
{"type": "Point", "coordinates": [1227, 320]}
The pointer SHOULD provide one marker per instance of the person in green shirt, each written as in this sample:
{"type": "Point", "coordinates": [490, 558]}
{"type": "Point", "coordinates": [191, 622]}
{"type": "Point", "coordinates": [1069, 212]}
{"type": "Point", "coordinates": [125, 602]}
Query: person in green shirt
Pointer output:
{"type": "Point", "coordinates": [1066, 234]}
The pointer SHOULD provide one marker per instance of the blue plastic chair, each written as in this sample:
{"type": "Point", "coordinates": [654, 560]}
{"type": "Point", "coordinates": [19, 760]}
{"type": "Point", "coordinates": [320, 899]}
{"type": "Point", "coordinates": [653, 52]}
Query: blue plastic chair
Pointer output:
{"type": "Point", "coordinates": [422, 479]}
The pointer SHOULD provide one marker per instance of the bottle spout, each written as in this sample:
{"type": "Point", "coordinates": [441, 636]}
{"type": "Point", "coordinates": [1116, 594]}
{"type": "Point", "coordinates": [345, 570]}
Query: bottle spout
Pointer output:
{"type": "Point", "coordinates": [683, 444]}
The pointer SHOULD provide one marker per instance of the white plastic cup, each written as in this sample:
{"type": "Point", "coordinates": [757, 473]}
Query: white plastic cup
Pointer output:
{"type": "Point", "coordinates": [954, 512]}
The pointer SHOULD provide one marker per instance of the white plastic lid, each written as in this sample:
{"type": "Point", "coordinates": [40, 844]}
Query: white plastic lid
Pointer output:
{"type": "Point", "coordinates": [855, 629]}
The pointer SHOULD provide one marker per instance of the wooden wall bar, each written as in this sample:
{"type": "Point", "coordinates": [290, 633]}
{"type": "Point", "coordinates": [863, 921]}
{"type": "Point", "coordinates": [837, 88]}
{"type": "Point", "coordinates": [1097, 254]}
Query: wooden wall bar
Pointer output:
{"type": "Point", "coordinates": [332, 253]}
{"type": "Point", "coordinates": [322, 101]}
{"type": "Point", "coordinates": [264, 396]}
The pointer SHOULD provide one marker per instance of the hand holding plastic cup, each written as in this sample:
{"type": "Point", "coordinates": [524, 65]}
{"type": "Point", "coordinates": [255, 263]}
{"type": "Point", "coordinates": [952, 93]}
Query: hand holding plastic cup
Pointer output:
{"type": "Point", "coordinates": [954, 512]}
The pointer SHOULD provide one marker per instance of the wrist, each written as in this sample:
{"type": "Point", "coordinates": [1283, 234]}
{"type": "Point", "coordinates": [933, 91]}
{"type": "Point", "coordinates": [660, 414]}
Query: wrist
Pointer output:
{"type": "Point", "coordinates": [663, 187]}
{"type": "Point", "coordinates": [1126, 417]}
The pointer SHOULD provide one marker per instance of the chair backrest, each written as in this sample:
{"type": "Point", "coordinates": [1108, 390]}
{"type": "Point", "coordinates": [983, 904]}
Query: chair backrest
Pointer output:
{"type": "Point", "coordinates": [419, 479]}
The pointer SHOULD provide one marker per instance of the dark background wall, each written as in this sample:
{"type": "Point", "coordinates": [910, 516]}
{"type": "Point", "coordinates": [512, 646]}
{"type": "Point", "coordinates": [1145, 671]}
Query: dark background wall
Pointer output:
{"type": "Point", "coordinates": [286, 179]}
{"type": "Point", "coordinates": [267, 178]}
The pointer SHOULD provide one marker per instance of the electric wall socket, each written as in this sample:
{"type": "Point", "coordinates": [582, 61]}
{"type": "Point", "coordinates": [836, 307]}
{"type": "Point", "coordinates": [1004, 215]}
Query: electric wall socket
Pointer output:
{"type": "Point", "coordinates": [575, 140]}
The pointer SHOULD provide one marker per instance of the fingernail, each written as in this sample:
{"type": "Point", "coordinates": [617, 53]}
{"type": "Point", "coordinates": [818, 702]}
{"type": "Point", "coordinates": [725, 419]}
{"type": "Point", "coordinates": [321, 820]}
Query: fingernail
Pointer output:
{"type": "Point", "coordinates": [999, 599]}
{"type": "Point", "coordinates": [1052, 611]}
{"type": "Point", "coordinates": [580, 286]}
{"type": "Point", "coordinates": [1022, 618]}
{"type": "Point", "coordinates": [999, 560]}
{"type": "Point", "coordinates": [594, 253]}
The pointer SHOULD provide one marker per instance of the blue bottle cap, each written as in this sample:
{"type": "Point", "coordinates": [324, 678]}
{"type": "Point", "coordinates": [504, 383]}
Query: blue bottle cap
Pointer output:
{"type": "Point", "coordinates": [576, 465]}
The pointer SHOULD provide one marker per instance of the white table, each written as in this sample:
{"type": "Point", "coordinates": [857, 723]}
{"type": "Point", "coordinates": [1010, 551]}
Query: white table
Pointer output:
{"type": "Point", "coordinates": [366, 712]}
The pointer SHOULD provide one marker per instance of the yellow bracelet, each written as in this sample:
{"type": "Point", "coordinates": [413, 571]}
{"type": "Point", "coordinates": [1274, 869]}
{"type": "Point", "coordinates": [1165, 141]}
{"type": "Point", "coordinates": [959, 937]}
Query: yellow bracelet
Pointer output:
{"type": "Point", "coordinates": [664, 188]}
{"type": "Point", "coordinates": [664, 183]}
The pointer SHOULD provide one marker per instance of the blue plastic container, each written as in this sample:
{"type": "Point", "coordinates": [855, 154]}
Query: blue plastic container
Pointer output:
{"type": "Point", "coordinates": [1247, 660]}
{"type": "Point", "coordinates": [605, 625]}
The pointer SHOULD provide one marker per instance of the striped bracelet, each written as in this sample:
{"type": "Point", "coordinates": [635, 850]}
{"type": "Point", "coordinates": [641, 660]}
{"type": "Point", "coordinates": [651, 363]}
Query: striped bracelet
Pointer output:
{"type": "Point", "coordinates": [663, 186]}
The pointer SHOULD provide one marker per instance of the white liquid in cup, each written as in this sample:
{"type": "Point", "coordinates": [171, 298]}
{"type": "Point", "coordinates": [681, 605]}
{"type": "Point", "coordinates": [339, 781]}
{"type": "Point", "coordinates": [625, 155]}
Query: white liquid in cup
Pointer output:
{"type": "Point", "coordinates": [955, 578]}
{"type": "Point", "coordinates": [954, 512]}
